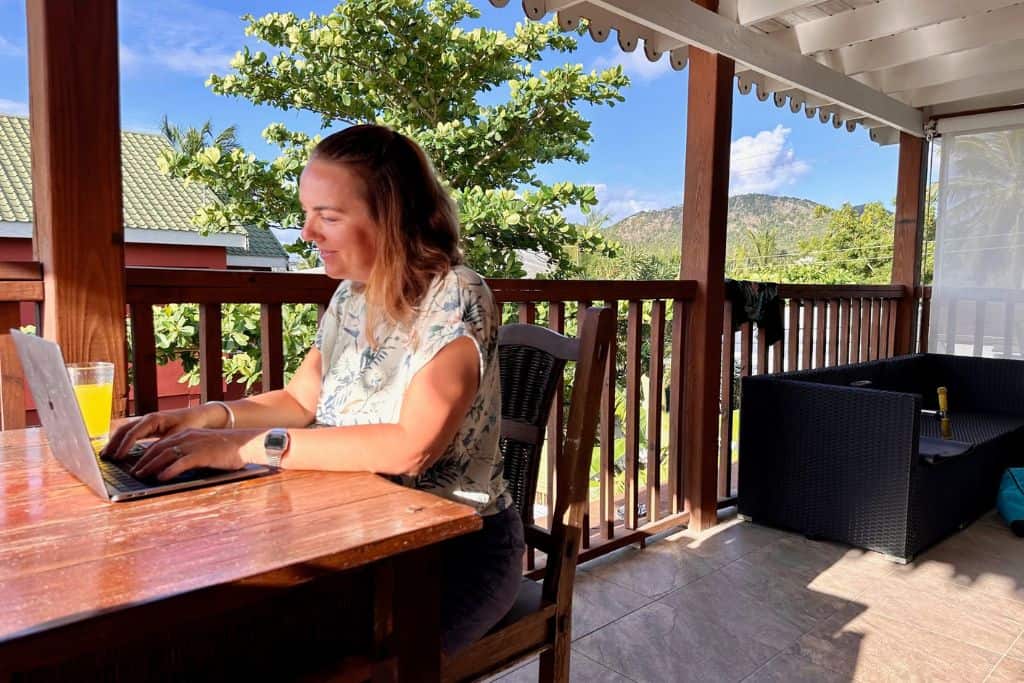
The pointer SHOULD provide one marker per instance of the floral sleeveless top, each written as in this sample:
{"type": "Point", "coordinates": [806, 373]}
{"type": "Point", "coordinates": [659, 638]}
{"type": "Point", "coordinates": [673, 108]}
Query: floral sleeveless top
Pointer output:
{"type": "Point", "coordinates": [362, 385]}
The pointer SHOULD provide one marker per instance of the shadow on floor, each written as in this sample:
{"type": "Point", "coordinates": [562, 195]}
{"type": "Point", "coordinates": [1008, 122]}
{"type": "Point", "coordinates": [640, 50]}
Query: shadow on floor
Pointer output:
{"type": "Point", "coordinates": [743, 602]}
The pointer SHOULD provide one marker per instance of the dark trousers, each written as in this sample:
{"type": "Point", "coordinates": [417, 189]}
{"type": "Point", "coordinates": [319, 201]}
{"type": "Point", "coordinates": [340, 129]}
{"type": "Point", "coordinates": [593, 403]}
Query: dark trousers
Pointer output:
{"type": "Point", "coordinates": [482, 572]}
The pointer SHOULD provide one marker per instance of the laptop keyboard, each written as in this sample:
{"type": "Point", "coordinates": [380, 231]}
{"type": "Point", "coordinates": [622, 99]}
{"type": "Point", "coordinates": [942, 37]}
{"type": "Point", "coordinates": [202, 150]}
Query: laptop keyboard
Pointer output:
{"type": "Point", "coordinates": [116, 473]}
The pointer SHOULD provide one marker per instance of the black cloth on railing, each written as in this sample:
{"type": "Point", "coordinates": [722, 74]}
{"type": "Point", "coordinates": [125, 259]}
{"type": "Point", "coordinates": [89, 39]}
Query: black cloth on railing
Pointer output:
{"type": "Point", "coordinates": [756, 302]}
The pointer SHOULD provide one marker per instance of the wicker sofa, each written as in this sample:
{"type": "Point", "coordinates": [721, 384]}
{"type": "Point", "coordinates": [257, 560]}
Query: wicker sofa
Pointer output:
{"type": "Point", "coordinates": [846, 454]}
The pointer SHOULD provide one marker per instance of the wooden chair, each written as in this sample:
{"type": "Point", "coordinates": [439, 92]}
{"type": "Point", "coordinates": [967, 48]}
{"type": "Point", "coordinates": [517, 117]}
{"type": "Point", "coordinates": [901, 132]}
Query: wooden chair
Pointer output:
{"type": "Point", "coordinates": [532, 360]}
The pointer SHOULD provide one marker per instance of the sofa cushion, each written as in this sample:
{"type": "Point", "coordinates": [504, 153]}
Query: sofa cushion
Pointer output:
{"type": "Point", "coordinates": [973, 428]}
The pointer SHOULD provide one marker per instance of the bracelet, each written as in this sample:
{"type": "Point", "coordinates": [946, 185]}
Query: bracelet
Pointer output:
{"type": "Point", "coordinates": [231, 413]}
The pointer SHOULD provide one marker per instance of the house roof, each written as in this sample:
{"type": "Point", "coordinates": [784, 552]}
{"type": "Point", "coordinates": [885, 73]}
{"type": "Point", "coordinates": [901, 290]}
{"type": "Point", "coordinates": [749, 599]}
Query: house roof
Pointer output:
{"type": "Point", "coordinates": [884, 65]}
{"type": "Point", "coordinates": [152, 200]}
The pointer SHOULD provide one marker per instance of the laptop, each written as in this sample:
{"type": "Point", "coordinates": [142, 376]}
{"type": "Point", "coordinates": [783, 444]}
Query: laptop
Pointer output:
{"type": "Point", "coordinates": [48, 380]}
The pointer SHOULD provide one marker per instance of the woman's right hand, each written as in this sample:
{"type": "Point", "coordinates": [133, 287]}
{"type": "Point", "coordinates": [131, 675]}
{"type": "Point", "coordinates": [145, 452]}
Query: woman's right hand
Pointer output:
{"type": "Point", "coordinates": [158, 425]}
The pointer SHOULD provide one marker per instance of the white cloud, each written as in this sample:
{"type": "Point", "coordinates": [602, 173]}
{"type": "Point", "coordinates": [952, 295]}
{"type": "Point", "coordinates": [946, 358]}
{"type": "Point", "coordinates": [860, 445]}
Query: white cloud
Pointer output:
{"type": "Point", "coordinates": [177, 35]}
{"type": "Point", "coordinates": [635, 63]}
{"type": "Point", "coordinates": [13, 107]}
{"type": "Point", "coordinates": [9, 49]}
{"type": "Point", "coordinates": [622, 201]}
{"type": "Point", "coordinates": [764, 162]}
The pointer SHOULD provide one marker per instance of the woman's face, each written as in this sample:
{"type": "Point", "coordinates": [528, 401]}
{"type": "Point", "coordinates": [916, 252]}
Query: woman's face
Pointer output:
{"type": "Point", "coordinates": [338, 220]}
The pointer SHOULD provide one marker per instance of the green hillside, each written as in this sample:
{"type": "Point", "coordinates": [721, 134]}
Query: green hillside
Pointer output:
{"type": "Point", "coordinates": [660, 231]}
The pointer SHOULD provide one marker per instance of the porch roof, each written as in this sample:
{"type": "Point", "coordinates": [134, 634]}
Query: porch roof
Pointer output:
{"type": "Point", "coordinates": [886, 65]}
{"type": "Point", "coordinates": [153, 202]}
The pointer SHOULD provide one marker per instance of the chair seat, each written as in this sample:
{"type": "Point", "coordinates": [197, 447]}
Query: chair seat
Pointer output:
{"type": "Point", "coordinates": [529, 600]}
{"type": "Point", "coordinates": [526, 630]}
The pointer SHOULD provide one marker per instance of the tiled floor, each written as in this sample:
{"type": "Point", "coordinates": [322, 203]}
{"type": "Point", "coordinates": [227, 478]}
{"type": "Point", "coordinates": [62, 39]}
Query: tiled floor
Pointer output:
{"type": "Point", "coordinates": [748, 603]}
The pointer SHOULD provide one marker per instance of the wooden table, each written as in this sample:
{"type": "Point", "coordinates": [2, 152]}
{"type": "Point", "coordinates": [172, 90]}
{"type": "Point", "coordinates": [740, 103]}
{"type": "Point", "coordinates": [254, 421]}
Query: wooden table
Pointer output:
{"type": "Point", "coordinates": [286, 573]}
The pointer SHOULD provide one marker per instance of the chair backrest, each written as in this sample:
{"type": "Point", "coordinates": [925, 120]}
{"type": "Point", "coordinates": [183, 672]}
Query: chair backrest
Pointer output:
{"type": "Point", "coordinates": [531, 359]}
{"type": "Point", "coordinates": [596, 333]}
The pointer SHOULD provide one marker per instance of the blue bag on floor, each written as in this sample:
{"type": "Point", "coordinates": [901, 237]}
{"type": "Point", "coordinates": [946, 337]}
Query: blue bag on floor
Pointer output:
{"type": "Point", "coordinates": [1010, 501]}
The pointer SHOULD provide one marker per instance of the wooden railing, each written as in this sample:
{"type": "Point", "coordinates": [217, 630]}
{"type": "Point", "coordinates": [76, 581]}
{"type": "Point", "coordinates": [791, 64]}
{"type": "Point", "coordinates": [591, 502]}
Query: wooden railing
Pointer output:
{"type": "Point", "coordinates": [652, 331]}
{"type": "Point", "coordinates": [637, 490]}
{"type": "Point", "coordinates": [19, 283]}
{"type": "Point", "coordinates": [824, 325]}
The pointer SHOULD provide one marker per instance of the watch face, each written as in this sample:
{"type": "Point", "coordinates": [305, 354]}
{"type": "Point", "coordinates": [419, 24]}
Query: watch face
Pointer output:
{"type": "Point", "coordinates": [277, 439]}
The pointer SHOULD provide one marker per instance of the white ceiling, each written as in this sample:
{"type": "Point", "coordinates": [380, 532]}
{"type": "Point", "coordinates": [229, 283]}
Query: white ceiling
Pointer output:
{"type": "Point", "coordinates": [885, 65]}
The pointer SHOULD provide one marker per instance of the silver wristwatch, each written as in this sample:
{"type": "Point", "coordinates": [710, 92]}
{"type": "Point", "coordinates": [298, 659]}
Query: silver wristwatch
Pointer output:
{"type": "Point", "coordinates": [276, 444]}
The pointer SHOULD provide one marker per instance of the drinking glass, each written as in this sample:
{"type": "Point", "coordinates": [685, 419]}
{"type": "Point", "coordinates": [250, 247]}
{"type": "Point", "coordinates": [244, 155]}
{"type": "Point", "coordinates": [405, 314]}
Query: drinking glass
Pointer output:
{"type": "Point", "coordinates": [94, 388]}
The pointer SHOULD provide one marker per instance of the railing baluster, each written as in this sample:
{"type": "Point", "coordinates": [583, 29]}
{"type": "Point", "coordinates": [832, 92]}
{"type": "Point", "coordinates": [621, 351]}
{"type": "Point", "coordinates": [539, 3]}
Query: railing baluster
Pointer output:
{"type": "Point", "coordinates": [855, 327]}
{"type": "Point", "coordinates": [865, 329]}
{"type": "Point", "coordinates": [657, 365]}
{"type": "Point", "coordinates": [1008, 330]}
{"type": "Point", "coordinates": [581, 306]}
{"type": "Point", "coordinates": [725, 400]}
{"type": "Point", "coordinates": [876, 310]}
{"type": "Point", "coordinates": [979, 327]}
{"type": "Point", "coordinates": [793, 341]}
{"type": "Point", "coordinates": [144, 358]}
{"type": "Point", "coordinates": [211, 362]}
{"type": "Point", "coordinates": [634, 325]}
{"type": "Point", "coordinates": [833, 332]}
{"type": "Point", "coordinates": [762, 352]}
{"type": "Point", "coordinates": [808, 334]}
{"type": "Point", "coordinates": [746, 349]}
{"type": "Point", "coordinates": [556, 421]}
{"type": "Point", "coordinates": [272, 346]}
{"type": "Point", "coordinates": [890, 341]}
{"type": "Point", "coordinates": [951, 326]}
{"type": "Point", "coordinates": [922, 334]}
{"type": "Point", "coordinates": [844, 331]}
{"type": "Point", "coordinates": [607, 426]}
{"type": "Point", "coordinates": [820, 333]}
{"type": "Point", "coordinates": [527, 313]}
{"type": "Point", "coordinates": [12, 387]}
{"type": "Point", "coordinates": [675, 410]}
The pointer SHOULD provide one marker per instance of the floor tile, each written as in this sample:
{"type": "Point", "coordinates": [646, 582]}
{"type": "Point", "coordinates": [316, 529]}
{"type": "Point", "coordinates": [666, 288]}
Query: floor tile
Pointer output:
{"type": "Point", "coordinates": [974, 617]}
{"type": "Point", "coordinates": [581, 670]}
{"type": "Point", "coordinates": [651, 572]}
{"type": "Point", "coordinates": [985, 558]}
{"type": "Point", "coordinates": [1009, 670]}
{"type": "Point", "coordinates": [691, 636]}
{"type": "Point", "coordinates": [826, 568]}
{"type": "Point", "coordinates": [790, 668]}
{"type": "Point", "coordinates": [788, 595]}
{"type": "Point", "coordinates": [1017, 649]}
{"type": "Point", "coordinates": [870, 646]}
{"type": "Point", "coordinates": [727, 542]}
{"type": "Point", "coordinates": [597, 603]}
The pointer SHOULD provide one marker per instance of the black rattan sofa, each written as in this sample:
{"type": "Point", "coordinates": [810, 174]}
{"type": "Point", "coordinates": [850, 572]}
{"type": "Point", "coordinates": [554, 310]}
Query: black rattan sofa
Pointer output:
{"type": "Point", "coordinates": [846, 454]}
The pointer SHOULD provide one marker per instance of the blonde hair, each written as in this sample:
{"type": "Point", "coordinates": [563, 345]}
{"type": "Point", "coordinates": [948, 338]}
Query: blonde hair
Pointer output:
{"type": "Point", "coordinates": [419, 239]}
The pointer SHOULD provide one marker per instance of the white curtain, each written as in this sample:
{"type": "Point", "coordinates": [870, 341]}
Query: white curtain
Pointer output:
{"type": "Point", "coordinates": [978, 291]}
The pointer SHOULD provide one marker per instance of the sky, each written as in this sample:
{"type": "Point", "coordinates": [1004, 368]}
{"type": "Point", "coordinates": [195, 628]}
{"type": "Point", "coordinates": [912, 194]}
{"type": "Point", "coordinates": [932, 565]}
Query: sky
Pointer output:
{"type": "Point", "coordinates": [168, 49]}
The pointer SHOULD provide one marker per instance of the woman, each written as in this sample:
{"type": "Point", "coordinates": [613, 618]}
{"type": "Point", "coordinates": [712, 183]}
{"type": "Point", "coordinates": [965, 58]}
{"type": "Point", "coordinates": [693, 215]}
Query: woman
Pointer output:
{"type": "Point", "coordinates": [403, 379]}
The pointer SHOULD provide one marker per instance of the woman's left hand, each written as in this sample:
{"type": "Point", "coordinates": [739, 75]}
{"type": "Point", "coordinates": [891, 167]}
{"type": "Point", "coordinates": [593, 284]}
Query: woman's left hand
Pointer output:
{"type": "Point", "coordinates": [193, 448]}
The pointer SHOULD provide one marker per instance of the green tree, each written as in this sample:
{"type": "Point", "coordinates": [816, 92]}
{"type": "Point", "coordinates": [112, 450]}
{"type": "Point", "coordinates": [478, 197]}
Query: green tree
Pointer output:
{"type": "Point", "coordinates": [414, 67]}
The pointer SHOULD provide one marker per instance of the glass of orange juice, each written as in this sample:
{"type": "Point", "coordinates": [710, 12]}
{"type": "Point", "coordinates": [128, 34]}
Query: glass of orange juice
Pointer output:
{"type": "Point", "coordinates": [94, 388]}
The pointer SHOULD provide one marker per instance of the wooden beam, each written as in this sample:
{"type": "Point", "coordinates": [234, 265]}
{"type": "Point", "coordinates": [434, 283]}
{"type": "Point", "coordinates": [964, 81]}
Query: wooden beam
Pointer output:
{"type": "Point", "coordinates": [968, 88]}
{"type": "Point", "coordinates": [943, 69]}
{"type": "Point", "coordinates": [885, 18]}
{"type": "Point", "coordinates": [705, 207]}
{"type": "Point", "coordinates": [688, 22]}
{"type": "Point", "coordinates": [968, 33]}
{"type": "Point", "coordinates": [76, 179]}
{"type": "Point", "coordinates": [754, 11]}
{"type": "Point", "coordinates": [911, 185]}
{"type": "Point", "coordinates": [976, 105]}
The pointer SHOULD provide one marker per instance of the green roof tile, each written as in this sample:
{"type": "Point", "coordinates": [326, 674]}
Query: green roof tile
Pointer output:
{"type": "Point", "coordinates": [152, 201]}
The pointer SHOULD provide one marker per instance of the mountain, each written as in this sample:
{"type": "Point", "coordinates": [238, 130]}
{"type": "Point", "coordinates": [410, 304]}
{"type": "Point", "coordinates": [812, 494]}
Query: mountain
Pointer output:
{"type": "Point", "coordinates": [660, 231]}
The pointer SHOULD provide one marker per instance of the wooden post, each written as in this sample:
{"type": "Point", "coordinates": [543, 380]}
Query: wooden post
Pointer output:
{"type": "Point", "coordinates": [705, 207]}
{"type": "Point", "coordinates": [76, 179]}
{"type": "Point", "coordinates": [909, 233]}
